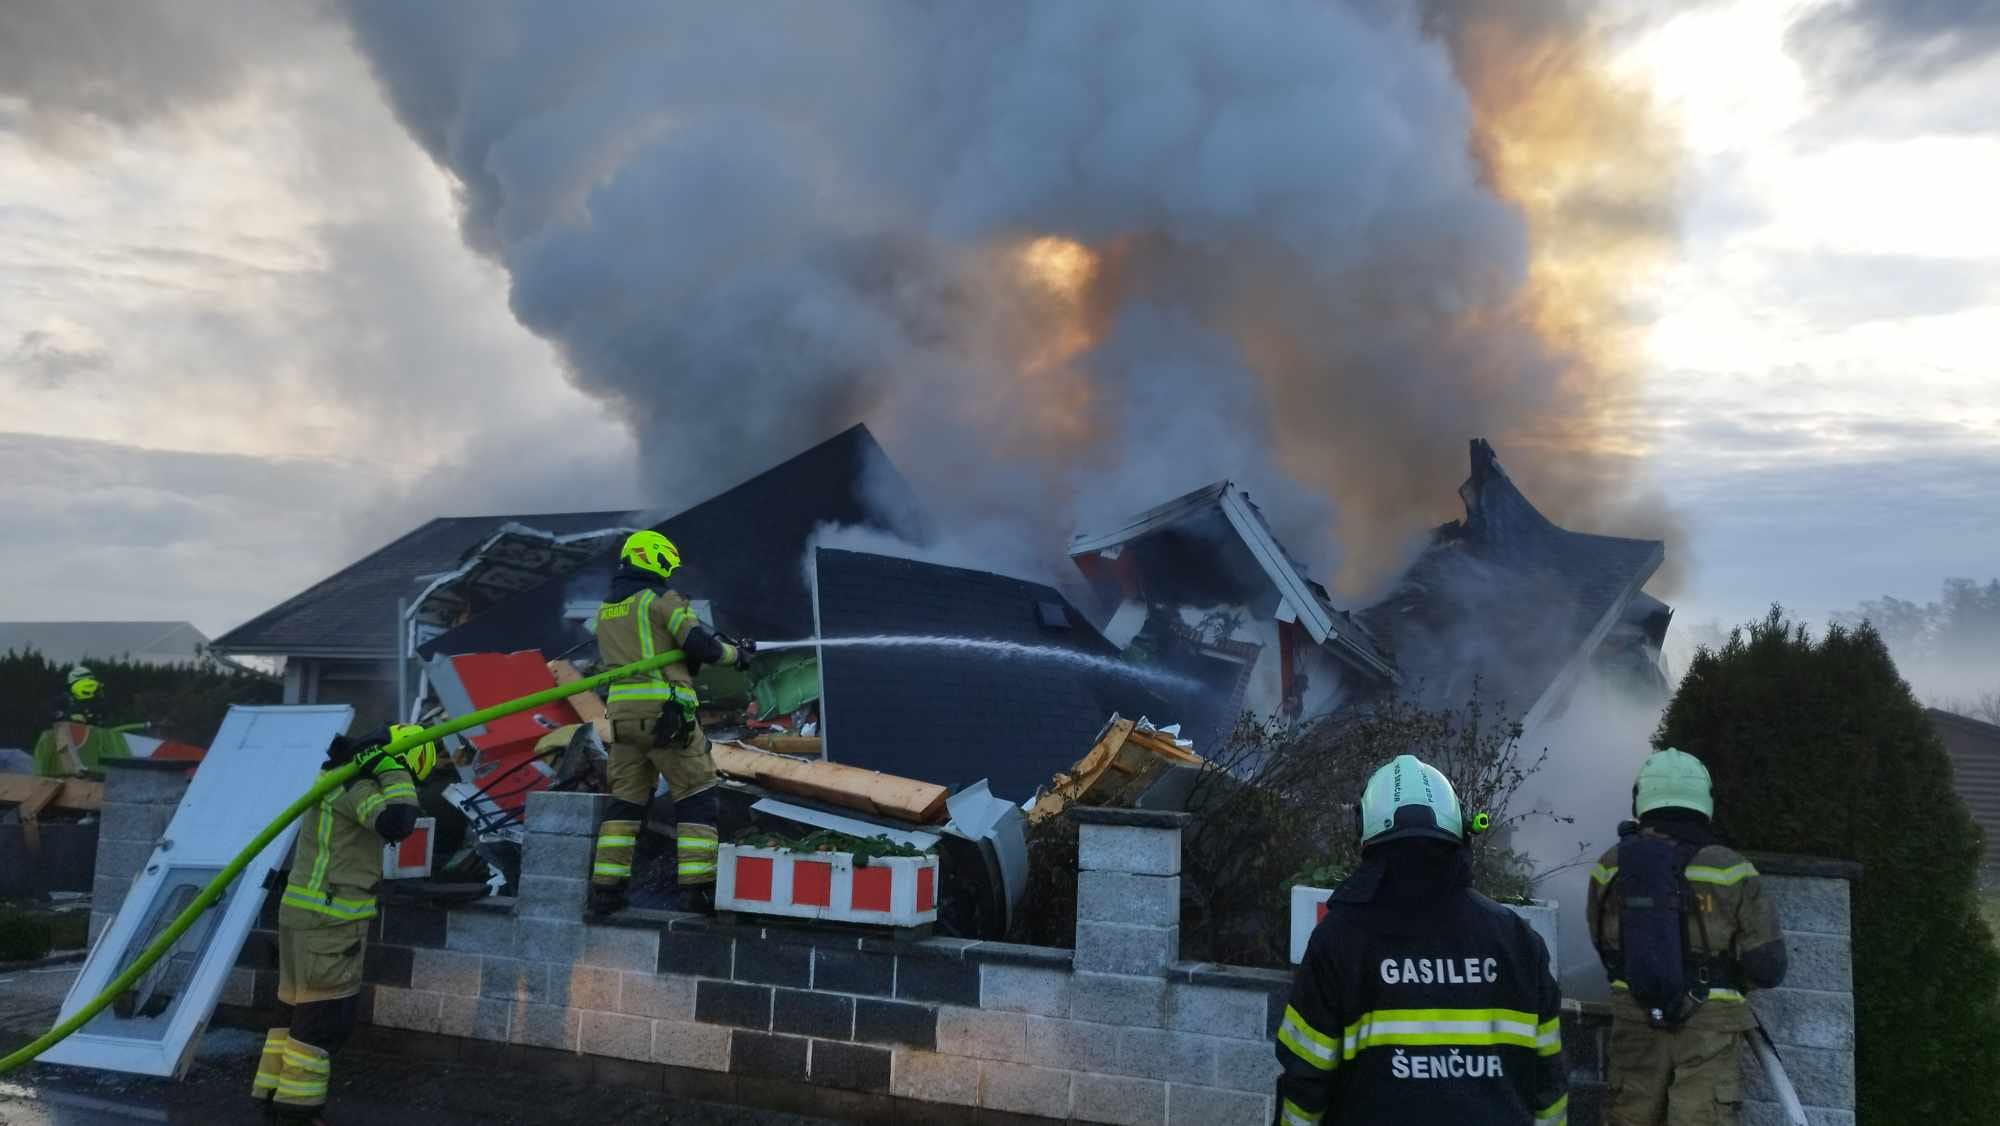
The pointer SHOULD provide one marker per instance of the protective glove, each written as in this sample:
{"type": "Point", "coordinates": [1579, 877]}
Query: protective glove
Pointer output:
{"type": "Point", "coordinates": [744, 649]}
{"type": "Point", "coordinates": [345, 749]}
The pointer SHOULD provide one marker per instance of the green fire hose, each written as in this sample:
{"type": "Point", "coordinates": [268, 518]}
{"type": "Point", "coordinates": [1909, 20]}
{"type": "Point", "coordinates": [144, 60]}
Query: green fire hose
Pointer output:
{"type": "Point", "coordinates": [331, 780]}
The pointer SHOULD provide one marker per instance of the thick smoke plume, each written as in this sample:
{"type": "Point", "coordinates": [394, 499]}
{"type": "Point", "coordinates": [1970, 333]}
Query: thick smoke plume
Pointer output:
{"type": "Point", "coordinates": [1070, 259]}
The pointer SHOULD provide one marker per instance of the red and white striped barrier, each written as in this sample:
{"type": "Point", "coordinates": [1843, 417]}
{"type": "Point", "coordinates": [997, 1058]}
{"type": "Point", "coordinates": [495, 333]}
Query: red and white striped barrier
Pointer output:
{"type": "Point", "coordinates": [899, 891]}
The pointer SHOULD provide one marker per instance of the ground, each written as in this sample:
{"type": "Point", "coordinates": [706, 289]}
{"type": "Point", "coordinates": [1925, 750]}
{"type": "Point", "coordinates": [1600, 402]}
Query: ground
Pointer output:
{"type": "Point", "coordinates": [367, 1087]}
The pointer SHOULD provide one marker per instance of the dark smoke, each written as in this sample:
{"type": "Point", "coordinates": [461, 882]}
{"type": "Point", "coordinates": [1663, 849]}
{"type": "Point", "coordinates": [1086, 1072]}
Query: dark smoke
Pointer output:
{"type": "Point", "coordinates": [748, 225]}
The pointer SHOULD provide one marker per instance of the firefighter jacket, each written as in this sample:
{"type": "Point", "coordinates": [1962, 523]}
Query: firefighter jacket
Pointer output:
{"type": "Point", "coordinates": [1420, 1001]}
{"type": "Point", "coordinates": [1731, 936]}
{"type": "Point", "coordinates": [641, 618]}
{"type": "Point", "coordinates": [337, 860]}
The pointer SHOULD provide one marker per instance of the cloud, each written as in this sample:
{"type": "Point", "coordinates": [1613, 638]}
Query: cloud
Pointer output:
{"type": "Point", "coordinates": [1862, 42]}
{"type": "Point", "coordinates": [1838, 290]}
{"type": "Point", "coordinates": [45, 362]}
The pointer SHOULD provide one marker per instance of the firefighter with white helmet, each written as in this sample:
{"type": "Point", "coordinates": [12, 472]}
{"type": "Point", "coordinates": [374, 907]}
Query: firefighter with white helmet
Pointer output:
{"type": "Point", "coordinates": [1681, 924]}
{"type": "Point", "coordinates": [1419, 1000]}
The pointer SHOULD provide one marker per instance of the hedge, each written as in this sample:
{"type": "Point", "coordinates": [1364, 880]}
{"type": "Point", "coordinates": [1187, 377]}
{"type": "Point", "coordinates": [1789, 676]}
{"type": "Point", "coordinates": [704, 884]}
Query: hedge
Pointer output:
{"type": "Point", "coordinates": [1819, 747]}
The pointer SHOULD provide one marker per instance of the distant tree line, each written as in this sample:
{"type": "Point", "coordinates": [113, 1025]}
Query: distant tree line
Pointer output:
{"type": "Point", "coordinates": [183, 702]}
{"type": "Point", "coordinates": [1949, 649]}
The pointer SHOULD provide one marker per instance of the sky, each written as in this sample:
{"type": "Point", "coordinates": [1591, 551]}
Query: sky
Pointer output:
{"type": "Point", "coordinates": [243, 342]}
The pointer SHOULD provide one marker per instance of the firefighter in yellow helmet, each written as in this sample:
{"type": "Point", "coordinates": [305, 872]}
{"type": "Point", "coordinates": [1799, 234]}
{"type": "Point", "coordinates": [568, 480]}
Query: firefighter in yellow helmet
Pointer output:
{"type": "Point", "coordinates": [1681, 923]}
{"type": "Point", "coordinates": [82, 703]}
{"type": "Point", "coordinates": [654, 731]}
{"type": "Point", "coordinates": [323, 917]}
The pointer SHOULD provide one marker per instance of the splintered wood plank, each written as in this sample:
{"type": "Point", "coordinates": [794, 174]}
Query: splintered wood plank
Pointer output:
{"type": "Point", "coordinates": [836, 784]}
{"type": "Point", "coordinates": [588, 706]}
{"type": "Point", "coordinates": [797, 746]}
{"type": "Point", "coordinates": [34, 794]}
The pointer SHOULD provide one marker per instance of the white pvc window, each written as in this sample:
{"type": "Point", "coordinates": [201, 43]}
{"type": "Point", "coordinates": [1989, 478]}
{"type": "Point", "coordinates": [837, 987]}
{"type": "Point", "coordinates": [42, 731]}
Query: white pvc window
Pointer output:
{"type": "Point", "coordinates": [260, 761]}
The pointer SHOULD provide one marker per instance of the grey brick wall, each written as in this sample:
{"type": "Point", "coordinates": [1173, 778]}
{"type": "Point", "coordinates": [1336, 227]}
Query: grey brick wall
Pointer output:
{"type": "Point", "coordinates": [1810, 1018]}
{"type": "Point", "coordinates": [139, 801]}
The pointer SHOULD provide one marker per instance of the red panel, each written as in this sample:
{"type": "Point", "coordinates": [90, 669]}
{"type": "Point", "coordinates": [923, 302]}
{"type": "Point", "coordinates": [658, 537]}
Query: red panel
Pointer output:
{"type": "Point", "coordinates": [812, 883]}
{"type": "Point", "coordinates": [1320, 911]}
{"type": "Point", "coordinates": [410, 854]}
{"type": "Point", "coordinates": [926, 888]}
{"type": "Point", "coordinates": [495, 678]}
{"type": "Point", "coordinates": [753, 878]}
{"type": "Point", "coordinates": [871, 888]}
{"type": "Point", "coordinates": [171, 751]}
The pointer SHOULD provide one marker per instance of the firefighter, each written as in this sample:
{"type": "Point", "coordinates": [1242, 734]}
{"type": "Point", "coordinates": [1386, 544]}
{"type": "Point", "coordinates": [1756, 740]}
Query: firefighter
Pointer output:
{"type": "Point", "coordinates": [1681, 923]}
{"type": "Point", "coordinates": [81, 704]}
{"type": "Point", "coordinates": [1419, 1000]}
{"type": "Point", "coordinates": [654, 732]}
{"type": "Point", "coordinates": [323, 916]}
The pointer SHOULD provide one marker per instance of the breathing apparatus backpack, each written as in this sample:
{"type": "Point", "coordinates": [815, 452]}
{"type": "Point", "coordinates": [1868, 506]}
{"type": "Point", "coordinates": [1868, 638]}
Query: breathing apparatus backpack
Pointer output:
{"type": "Point", "coordinates": [1652, 927]}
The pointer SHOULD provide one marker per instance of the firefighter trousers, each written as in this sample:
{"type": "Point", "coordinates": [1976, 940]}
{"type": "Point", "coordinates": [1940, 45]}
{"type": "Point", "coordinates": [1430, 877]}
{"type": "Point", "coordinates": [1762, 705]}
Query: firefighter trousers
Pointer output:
{"type": "Point", "coordinates": [635, 765]}
{"type": "Point", "coordinates": [1684, 1076]}
{"type": "Point", "coordinates": [319, 980]}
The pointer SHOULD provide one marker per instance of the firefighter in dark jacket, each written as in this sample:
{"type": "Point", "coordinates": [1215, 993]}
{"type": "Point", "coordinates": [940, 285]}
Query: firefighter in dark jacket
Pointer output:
{"type": "Point", "coordinates": [654, 732]}
{"type": "Point", "coordinates": [1680, 955]}
{"type": "Point", "coordinates": [323, 916]}
{"type": "Point", "coordinates": [1420, 1001]}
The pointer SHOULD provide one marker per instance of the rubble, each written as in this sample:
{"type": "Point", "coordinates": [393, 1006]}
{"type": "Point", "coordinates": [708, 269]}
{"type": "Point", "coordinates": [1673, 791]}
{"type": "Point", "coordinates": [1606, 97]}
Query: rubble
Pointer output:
{"type": "Point", "coordinates": [1128, 759]}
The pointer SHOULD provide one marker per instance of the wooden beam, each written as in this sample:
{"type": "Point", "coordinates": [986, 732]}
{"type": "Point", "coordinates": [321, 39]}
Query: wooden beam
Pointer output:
{"type": "Point", "coordinates": [588, 706]}
{"type": "Point", "coordinates": [831, 782]}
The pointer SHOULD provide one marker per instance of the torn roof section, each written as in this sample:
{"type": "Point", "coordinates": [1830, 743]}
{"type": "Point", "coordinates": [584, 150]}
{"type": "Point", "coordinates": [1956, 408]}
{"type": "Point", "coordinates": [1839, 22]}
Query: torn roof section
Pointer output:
{"type": "Point", "coordinates": [1507, 596]}
{"type": "Point", "coordinates": [514, 558]}
{"type": "Point", "coordinates": [953, 718]}
{"type": "Point", "coordinates": [741, 551]}
{"type": "Point", "coordinates": [1213, 547]}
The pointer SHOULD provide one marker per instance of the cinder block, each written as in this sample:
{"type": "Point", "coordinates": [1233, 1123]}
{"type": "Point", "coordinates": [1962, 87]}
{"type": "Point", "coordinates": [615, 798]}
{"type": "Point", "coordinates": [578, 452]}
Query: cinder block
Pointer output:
{"type": "Point", "coordinates": [1152, 1053]}
{"type": "Point", "coordinates": [544, 1026]}
{"type": "Point", "coordinates": [142, 786]}
{"type": "Point", "coordinates": [1119, 999]}
{"type": "Point", "coordinates": [558, 856]}
{"type": "Point", "coordinates": [551, 897]}
{"type": "Point", "coordinates": [1114, 948]}
{"type": "Point", "coordinates": [1072, 1045]}
{"type": "Point", "coordinates": [107, 893]}
{"type": "Point", "coordinates": [1126, 848]}
{"type": "Point", "coordinates": [408, 1009]}
{"type": "Point", "coordinates": [1119, 1101]}
{"type": "Point", "coordinates": [686, 1044]}
{"type": "Point", "coordinates": [1121, 897]}
{"type": "Point", "coordinates": [981, 1034]}
{"type": "Point", "coordinates": [584, 987]}
{"type": "Point", "coordinates": [1819, 961]}
{"type": "Point", "coordinates": [481, 932]}
{"type": "Point", "coordinates": [1206, 1106]}
{"type": "Point", "coordinates": [1217, 1011]}
{"type": "Point", "coordinates": [1245, 1065]}
{"type": "Point", "coordinates": [475, 1018]}
{"type": "Point", "coordinates": [1024, 989]}
{"type": "Point", "coordinates": [122, 859]}
{"type": "Point", "coordinates": [934, 1078]}
{"type": "Point", "coordinates": [616, 1035]}
{"type": "Point", "coordinates": [548, 940]}
{"type": "Point", "coordinates": [510, 979]}
{"type": "Point", "coordinates": [127, 821]}
{"type": "Point", "coordinates": [1806, 1019]}
{"type": "Point", "coordinates": [668, 997]}
{"type": "Point", "coordinates": [1024, 1090]}
{"type": "Point", "coordinates": [1811, 904]}
{"type": "Point", "coordinates": [566, 814]}
{"type": "Point", "coordinates": [240, 987]}
{"type": "Point", "coordinates": [1822, 1076]}
{"type": "Point", "coordinates": [440, 971]}
{"type": "Point", "coordinates": [620, 948]}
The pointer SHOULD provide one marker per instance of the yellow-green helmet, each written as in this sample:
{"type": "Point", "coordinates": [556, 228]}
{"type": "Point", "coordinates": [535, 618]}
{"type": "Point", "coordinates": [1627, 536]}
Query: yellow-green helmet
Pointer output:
{"type": "Point", "coordinates": [83, 687]}
{"type": "Point", "coordinates": [1410, 798]}
{"type": "Point", "coordinates": [651, 551]}
{"type": "Point", "coordinates": [418, 760]}
{"type": "Point", "coordinates": [1672, 779]}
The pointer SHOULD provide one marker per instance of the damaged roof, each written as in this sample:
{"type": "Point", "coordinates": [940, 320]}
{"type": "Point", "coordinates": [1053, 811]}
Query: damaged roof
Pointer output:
{"type": "Point", "coordinates": [352, 613]}
{"type": "Point", "coordinates": [1304, 600]}
{"type": "Point", "coordinates": [954, 718]}
{"type": "Point", "coordinates": [743, 550]}
{"type": "Point", "coordinates": [1507, 596]}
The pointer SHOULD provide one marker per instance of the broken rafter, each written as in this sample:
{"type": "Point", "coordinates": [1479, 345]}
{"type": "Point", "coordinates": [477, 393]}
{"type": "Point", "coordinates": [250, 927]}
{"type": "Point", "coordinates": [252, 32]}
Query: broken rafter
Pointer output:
{"type": "Point", "coordinates": [847, 786]}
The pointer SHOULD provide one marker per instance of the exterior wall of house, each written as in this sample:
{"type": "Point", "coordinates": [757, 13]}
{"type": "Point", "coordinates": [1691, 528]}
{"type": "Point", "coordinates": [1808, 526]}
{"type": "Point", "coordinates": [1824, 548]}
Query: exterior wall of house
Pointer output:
{"type": "Point", "coordinates": [369, 687]}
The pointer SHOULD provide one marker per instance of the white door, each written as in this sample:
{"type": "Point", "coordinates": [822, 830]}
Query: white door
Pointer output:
{"type": "Point", "coordinates": [261, 760]}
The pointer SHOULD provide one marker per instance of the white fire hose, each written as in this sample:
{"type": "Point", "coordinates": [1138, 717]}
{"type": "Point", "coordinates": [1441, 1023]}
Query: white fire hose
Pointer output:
{"type": "Point", "coordinates": [1774, 1072]}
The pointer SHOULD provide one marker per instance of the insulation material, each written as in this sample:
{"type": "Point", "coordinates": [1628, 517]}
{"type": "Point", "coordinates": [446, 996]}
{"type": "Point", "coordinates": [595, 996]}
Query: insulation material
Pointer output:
{"type": "Point", "coordinates": [1127, 760]}
{"type": "Point", "coordinates": [789, 682]}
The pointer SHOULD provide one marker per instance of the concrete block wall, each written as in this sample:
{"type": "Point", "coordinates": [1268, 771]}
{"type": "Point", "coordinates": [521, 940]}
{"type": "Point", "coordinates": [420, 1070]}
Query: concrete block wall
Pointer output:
{"type": "Point", "coordinates": [1117, 1031]}
{"type": "Point", "coordinates": [139, 800]}
{"type": "Point", "coordinates": [1810, 1017]}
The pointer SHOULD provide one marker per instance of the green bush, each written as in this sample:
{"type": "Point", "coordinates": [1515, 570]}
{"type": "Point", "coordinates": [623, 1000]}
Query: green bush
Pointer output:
{"type": "Point", "coordinates": [183, 702]}
{"type": "Point", "coordinates": [24, 936]}
{"type": "Point", "coordinates": [1819, 747]}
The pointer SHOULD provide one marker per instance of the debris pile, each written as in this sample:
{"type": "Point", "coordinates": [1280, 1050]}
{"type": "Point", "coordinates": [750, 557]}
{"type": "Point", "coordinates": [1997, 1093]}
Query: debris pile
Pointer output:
{"type": "Point", "coordinates": [1129, 761]}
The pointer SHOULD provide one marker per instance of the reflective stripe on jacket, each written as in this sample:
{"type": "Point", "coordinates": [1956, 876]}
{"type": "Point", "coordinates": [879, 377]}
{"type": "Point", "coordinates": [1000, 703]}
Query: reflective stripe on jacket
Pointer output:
{"type": "Point", "coordinates": [337, 860]}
